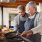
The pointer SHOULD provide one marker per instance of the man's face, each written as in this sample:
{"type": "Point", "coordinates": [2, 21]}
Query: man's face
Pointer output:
{"type": "Point", "coordinates": [31, 10]}
{"type": "Point", "coordinates": [21, 13]}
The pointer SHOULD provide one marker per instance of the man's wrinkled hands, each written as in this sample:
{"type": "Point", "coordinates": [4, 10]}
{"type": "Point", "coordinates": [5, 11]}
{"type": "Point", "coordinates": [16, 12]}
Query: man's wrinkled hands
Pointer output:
{"type": "Point", "coordinates": [24, 34]}
{"type": "Point", "coordinates": [28, 33]}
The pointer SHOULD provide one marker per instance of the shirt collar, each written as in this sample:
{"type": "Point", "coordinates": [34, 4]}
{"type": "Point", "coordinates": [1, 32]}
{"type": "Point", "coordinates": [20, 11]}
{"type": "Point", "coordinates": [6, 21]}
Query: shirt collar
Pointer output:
{"type": "Point", "coordinates": [32, 16]}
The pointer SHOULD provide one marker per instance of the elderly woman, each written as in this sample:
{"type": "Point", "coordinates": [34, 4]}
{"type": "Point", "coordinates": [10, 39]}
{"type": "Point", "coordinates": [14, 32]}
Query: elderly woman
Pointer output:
{"type": "Point", "coordinates": [33, 20]}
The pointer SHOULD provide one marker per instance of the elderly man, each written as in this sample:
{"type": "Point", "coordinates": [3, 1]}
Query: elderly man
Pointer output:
{"type": "Point", "coordinates": [34, 20]}
{"type": "Point", "coordinates": [20, 19]}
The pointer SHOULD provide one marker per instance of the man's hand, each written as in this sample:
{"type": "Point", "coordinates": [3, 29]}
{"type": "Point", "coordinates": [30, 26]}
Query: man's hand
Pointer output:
{"type": "Point", "coordinates": [28, 33]}
{"type": "Point", "coordinates": [24, 34]}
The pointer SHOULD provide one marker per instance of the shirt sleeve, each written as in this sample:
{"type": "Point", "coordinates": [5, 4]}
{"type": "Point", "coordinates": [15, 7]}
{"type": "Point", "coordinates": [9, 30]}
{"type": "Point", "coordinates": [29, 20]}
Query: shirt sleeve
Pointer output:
{"type": "Point", "coordinates": [36, 29]}
{"type": "Point", "coordinates": [15, 25]}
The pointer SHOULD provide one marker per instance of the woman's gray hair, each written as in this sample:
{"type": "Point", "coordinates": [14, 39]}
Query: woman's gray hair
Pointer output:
{"type": "Point", "coordinates": [31, 3]}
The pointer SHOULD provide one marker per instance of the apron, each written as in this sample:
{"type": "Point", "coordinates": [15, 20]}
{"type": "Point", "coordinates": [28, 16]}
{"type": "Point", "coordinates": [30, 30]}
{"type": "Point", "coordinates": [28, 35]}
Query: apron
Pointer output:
{"type": "Point", "coordinates": [21, 27]}
{"type": "Point", "coordinates": [29, 24]}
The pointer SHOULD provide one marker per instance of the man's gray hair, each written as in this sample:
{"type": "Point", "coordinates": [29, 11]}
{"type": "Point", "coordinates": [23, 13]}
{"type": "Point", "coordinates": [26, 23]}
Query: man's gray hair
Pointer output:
{"type": "Point", "coordinates": [31, 3]}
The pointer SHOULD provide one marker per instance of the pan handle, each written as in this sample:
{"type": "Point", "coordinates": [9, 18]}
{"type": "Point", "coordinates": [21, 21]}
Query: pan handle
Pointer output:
{"type": "Point", "coordinates": [27, 40]}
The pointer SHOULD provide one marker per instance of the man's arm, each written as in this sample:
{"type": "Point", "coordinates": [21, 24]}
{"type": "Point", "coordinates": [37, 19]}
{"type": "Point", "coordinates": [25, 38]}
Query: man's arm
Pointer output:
{"type": "Point", "coordinates": [15, 25]}
{"type": "Point", "coordinates": [35, 30]}
{"type": "Point", "coordinates": [38, 28]}
{"type": "Point", "coordinates": [16, 22]}
{"type": "Point", "coordinates": [28, 33]}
